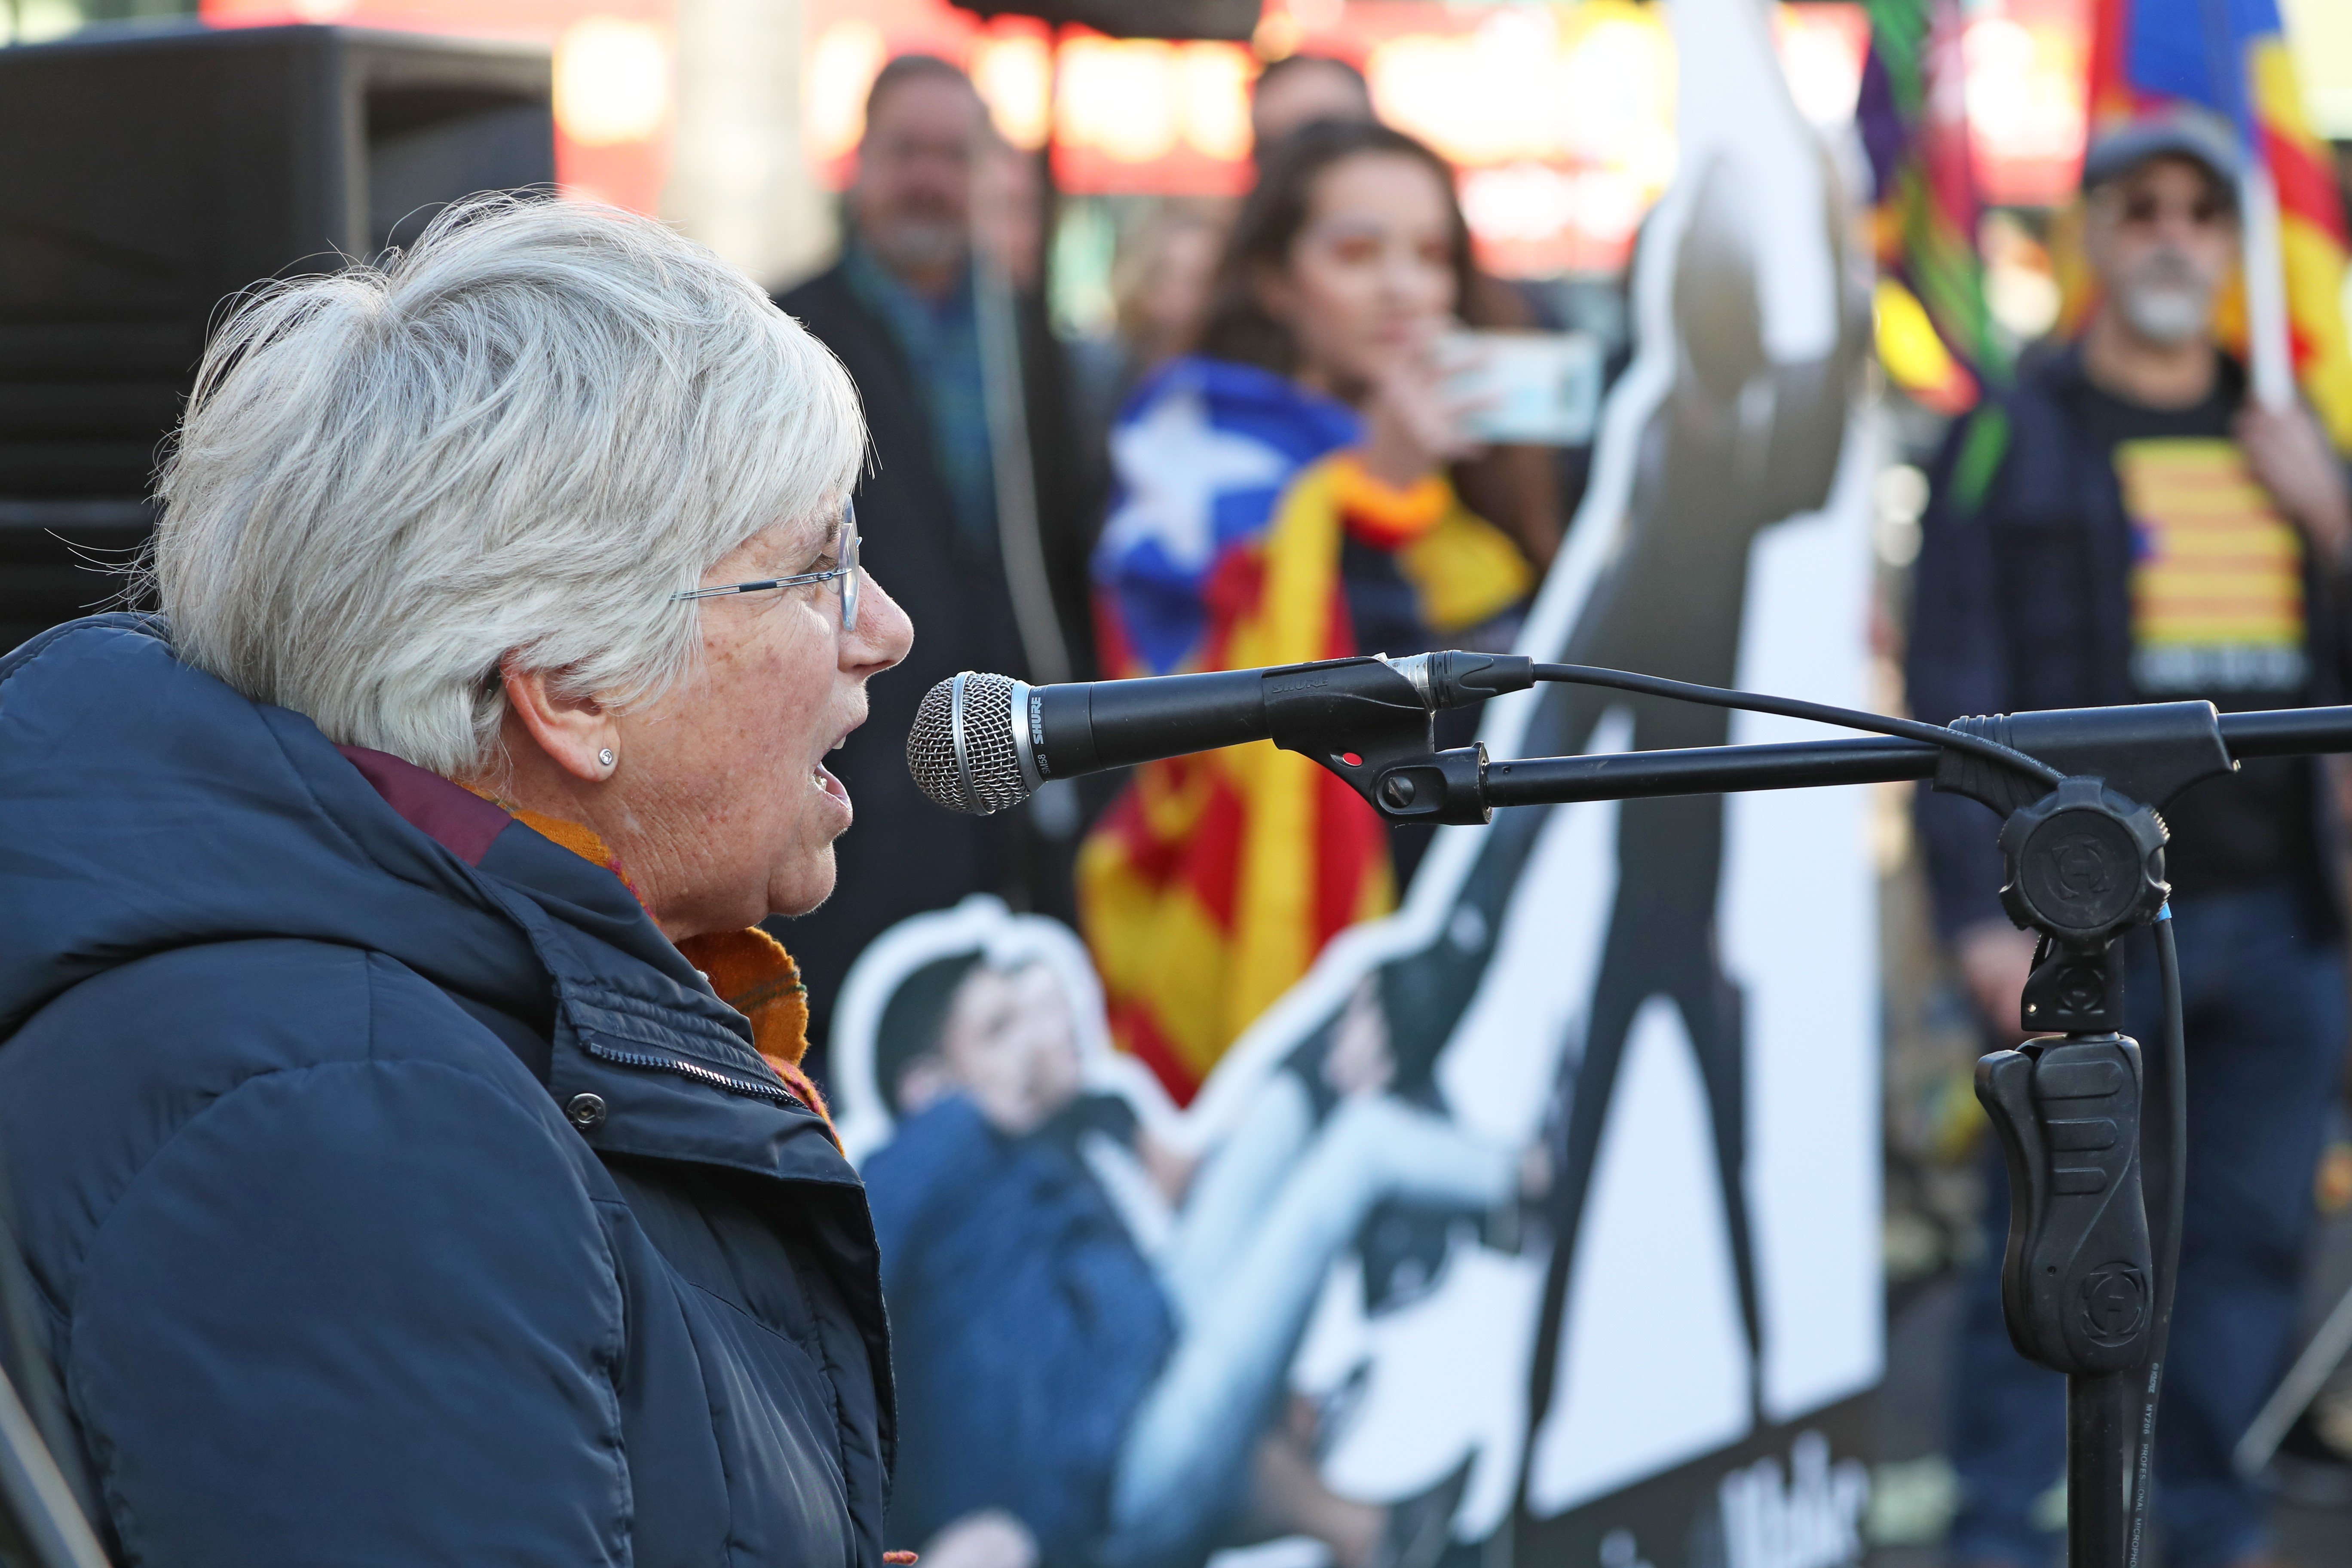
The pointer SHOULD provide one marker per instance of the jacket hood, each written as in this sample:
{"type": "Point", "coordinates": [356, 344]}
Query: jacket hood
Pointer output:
{"type": "Point", "coordinates": [147, 806]}
{"type": "Point", "coordinates": [145, 809]}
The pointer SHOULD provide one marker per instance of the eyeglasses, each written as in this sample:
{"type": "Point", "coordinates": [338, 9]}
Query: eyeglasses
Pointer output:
{"type": "Point", "coordinates": [847, 573]}
{"type": "Point", "coordinates": [2140, 210]}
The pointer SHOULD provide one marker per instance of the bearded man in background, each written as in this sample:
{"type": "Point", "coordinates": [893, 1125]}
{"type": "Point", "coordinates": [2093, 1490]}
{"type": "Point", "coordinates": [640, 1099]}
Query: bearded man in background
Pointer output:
{"type": "Point", "coordinates": [2126, 525]}
{"type": "Point", "coordinates": [981, 490]}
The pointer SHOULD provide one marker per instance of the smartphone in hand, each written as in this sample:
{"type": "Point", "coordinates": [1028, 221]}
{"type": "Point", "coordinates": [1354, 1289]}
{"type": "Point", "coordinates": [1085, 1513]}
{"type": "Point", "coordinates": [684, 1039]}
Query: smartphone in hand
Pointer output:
{"type": "Point", "coordinates": [1536, 389]}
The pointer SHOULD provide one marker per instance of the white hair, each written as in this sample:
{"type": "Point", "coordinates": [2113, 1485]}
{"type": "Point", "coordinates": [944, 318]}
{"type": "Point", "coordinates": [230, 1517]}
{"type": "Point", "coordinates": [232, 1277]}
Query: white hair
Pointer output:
{"type": "Point", "coordinates": [522, 436]}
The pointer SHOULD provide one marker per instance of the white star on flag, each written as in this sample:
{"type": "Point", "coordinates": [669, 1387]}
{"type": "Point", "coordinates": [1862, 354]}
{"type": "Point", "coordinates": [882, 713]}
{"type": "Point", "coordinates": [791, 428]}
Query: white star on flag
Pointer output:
{"type": "Point", "coordinates": [1174, 463]}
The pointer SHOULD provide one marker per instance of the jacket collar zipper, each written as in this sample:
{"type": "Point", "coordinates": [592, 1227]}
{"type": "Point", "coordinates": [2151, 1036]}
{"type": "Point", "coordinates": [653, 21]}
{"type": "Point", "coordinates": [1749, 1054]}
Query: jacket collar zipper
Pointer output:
{"type": "Point", "coordinates": [773, 1091]}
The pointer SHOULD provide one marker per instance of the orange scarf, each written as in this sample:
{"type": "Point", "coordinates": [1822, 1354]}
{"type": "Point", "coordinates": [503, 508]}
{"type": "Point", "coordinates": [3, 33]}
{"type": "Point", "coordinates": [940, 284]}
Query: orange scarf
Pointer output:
{"type": "Point", "coordinates": [749, 969]}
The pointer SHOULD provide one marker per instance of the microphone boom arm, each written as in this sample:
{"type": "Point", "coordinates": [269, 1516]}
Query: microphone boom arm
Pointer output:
{"type": "Point", "coordinates": [1807, 764]}
{"type": "Point", "coordinates": [2084, 1289]}
{"type": "Point", "coordinates": [2078, 791]}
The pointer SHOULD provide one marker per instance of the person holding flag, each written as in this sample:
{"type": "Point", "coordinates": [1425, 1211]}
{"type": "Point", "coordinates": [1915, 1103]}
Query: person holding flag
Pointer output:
{"type": "Point", "coordinates": [2229, 58]}
{"type": "Point", "coordinates": [1285, 494]}
{"type": "Point", "coordinates": [2130, 520]}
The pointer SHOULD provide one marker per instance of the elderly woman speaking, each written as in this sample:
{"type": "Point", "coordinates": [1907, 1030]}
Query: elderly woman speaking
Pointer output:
{"type": "Point", "coordinates": [400, 1103]}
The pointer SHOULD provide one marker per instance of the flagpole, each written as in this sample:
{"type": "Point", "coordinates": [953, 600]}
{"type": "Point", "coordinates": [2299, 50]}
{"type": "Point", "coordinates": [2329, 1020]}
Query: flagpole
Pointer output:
{"type": "Point", "coordinates": [2270, 356]}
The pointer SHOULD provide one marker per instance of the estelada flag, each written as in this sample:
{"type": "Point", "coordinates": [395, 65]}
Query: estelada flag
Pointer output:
{"type": "Point", "coordinates": [2231, 57]}
{"type": "Point", "coordinates": [1213, 881]}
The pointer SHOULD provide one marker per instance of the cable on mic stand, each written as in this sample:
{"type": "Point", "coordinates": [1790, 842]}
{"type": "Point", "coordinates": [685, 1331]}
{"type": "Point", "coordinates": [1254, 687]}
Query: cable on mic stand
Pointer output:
{"type": "Point", "coordinates": [1795, 707]}
{"type": "Point", "coordinates": [2084, 1289]}
{"type": "Point", "coordinates": [2176, 1194]}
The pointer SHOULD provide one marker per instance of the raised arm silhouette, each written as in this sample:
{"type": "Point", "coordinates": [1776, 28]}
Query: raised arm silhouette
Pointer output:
{"type": "Point", "coordinates": [1738, 443]}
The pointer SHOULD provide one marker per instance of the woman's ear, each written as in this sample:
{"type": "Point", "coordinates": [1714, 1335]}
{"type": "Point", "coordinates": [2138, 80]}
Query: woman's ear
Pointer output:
{"type": "Point", "coordinates": [579, 734]}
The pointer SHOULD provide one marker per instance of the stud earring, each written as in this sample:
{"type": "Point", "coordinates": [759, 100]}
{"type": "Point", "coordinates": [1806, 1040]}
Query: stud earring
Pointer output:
{"type": "Point", "coordinates": [605, 756]}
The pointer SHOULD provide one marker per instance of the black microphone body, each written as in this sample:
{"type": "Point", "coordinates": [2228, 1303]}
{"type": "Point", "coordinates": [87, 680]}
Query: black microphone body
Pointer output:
{"type": "Point", "coordinates": [1084, 728]}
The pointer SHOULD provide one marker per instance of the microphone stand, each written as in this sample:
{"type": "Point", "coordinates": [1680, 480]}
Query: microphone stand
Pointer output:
{"type": "Point", "coordinates": [2082, 1289]}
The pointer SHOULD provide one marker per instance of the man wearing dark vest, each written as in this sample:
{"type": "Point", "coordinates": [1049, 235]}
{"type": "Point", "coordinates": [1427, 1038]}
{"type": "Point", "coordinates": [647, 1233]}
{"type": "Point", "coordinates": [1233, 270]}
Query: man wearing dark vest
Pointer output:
{"type": "Point", "coordinates": [988, 559]}
{"type": "Point", "coordinates": [2127, 524]}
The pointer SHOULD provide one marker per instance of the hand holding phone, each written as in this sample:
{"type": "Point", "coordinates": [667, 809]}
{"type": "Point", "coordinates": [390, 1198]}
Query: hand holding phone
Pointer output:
{"type": "Point", "coordinates": [1416, 419]}
{"type": "Point", "coordinates": [1536, 389]}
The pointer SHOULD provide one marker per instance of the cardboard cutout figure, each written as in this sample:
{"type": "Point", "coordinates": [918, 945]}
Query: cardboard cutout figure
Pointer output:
{"type": "Point", "coordinates": [1627, 1310]}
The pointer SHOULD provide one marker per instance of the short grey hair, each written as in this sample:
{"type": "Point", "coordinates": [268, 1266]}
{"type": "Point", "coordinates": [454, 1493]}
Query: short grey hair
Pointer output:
{"type": "Point", "coordinates": [521, 437]}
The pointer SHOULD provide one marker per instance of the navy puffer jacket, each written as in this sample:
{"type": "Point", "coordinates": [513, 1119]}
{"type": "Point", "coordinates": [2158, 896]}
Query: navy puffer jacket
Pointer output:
{"type": "Point", "coordinates": [395, 1192]}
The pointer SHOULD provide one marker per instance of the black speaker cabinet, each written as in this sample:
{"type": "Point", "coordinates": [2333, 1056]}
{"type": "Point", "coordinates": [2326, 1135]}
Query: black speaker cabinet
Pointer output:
{"type": "Point", "coordinates": [146, 178]}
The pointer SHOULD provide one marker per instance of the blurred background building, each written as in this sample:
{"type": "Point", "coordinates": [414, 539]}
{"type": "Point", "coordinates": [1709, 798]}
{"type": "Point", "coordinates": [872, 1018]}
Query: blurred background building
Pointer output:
{"type": "Point", "coordinates": [737, 118]}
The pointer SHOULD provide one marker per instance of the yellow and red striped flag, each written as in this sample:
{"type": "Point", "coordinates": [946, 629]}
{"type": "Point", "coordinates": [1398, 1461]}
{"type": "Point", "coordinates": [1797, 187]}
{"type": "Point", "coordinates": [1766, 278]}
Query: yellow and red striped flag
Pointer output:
{"type": "Point", "coordinates": [1208, 888]}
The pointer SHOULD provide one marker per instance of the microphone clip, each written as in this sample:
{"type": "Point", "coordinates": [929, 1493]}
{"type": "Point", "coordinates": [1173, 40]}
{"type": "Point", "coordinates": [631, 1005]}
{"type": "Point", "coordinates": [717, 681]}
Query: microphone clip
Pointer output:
{"type": "Point", "coordinates": [1371, 723]}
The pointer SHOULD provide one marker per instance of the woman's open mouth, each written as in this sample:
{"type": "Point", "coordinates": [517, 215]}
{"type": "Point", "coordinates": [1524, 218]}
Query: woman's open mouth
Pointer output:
{"type": "Point", "coordinates": [822, 776]}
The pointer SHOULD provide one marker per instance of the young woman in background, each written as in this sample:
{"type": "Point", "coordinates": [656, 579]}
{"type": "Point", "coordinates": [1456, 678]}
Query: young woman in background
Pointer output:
{"type": "Point", "coordinates": [1284, 495]}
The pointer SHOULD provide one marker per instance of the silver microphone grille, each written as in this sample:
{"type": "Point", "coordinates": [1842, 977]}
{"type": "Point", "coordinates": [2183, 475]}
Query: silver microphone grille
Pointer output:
{"type": "Point", "coordinates": [960, 749]}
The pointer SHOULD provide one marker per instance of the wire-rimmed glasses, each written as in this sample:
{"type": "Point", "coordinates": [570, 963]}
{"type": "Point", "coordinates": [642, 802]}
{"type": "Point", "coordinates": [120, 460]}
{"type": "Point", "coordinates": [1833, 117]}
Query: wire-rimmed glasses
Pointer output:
{"type": "Point", "coordinates": [846, 573]}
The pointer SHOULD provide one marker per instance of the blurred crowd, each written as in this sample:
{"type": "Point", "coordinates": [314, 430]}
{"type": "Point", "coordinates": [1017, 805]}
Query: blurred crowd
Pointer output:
{"type": "Point", "coordinates": [1270, 460]}
{"type": "Point", "coordinates": [1058, 510]}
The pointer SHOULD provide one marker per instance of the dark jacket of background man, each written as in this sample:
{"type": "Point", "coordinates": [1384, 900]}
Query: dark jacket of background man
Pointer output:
{"type": "Point", "coordinates": [393, 1190]}
{"type": "Point", "coordinates": [2025, 603]}
{"type": "Point", "coordinates": [927, 513]}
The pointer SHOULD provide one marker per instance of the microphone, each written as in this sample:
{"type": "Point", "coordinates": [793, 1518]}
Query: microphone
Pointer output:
{"type": "Point", "coordinates": [983, 742]}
